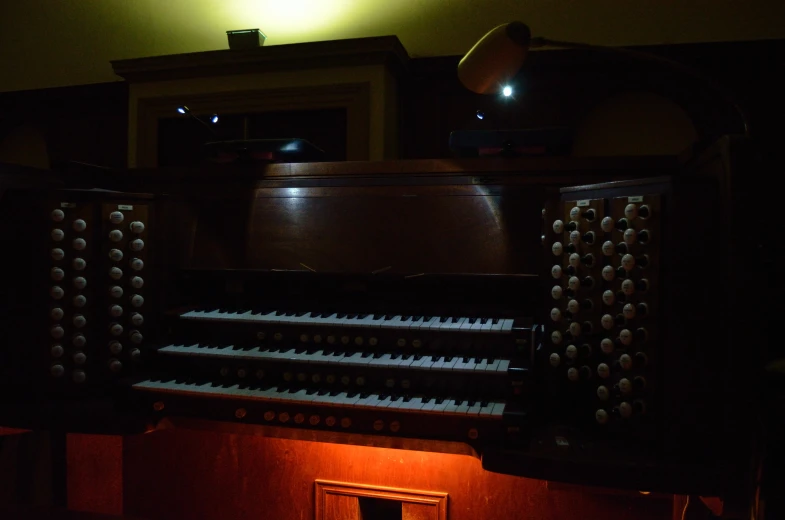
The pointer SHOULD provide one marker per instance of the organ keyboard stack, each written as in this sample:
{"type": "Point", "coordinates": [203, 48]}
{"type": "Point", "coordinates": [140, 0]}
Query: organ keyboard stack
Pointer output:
{"type": "Point", "coordinates": [357, 366]}
{"type": "Point", "coordinates": [390, 304]}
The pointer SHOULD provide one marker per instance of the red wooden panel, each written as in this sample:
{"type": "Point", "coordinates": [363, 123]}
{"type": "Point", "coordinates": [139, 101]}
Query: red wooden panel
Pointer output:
{"type": "Point", "coordinates": [184, 474]}
{"type": "Point", "coordinates": [95, 473]}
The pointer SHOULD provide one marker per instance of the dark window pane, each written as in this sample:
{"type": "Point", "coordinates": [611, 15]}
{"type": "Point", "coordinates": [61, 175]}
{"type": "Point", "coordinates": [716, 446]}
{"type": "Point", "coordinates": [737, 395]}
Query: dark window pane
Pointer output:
{"type": "Point", "coordinates": [180, 138]}
{"type": "Point", "coordinates": [325, 129]}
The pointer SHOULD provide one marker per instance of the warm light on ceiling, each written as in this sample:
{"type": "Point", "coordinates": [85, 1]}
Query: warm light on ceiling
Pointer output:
{"type": "Point", "coordinates": [284, 20]}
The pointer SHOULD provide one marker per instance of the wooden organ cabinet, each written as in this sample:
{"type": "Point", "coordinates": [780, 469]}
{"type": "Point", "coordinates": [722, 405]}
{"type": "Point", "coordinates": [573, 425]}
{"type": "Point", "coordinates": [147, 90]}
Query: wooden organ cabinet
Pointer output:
{"type": "Point", "coordinates": [519, 338]}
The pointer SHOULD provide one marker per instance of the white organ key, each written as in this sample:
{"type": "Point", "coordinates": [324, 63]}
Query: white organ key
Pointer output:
{"type": "Point", "coordinates": [321, 399]}
{"type": "Point", "coordinates": [406, 323]}
{"type": "Point", "coordinates": [463, 408]}
{"type": "Point", "coordinates": [338, 399]}
{"type": "Point", "coordinates": [443, 325]}
{"type": "Point", "coordinates": [398, 404]}
{"type": "Point", "coordinates": [507, 325]}
{"type": "Point", "coordinates": [294, 320]}
{"type": "Point", "coordinates": [486, 327]}
{"type": "Point", "coordinates": [450, 407]}
{"type": "Point", "coordinates": [482, 365]}
{"type": "Point", "coordinates": [355, 321]}
{"type": "Point", "coordinates": [485, 411]}
{"type": "Point", "coordinates": [384, 402]}
{"type": "Point", "coordinates": [368, 321]}
{"type": "Point", "coordinates": [416, 324]}
{"type": "Point", "coordinates": [465, 325]}
{"type": "Point", "coordinates": [317, 357]}
{"type": "Point", "coordinates": [334, 359]}
{"type": "Point", "coordinates": [372, 401]}
{"type": "Point", "coordinates": [428, 406]}
{"type": "Point", "coordinates": [438, 364]}
{"type": "Point", "coordinates": [504, 364]}
{"type": "Point", "coordinates": [498, 410]}
{"type": "Point", "coordinates": [358, 321]}
{"type": "Point", "coordinates": [417, 364]}
{"type": "Point", "coordinates": [355, 360]}
{"type": "Point", "coordinates": [394, 323]}
{"type": "Point", "coordinates": [376, 322]}
{"type": "Point", "coordinates": [333, 319]}
{"type": "Point", "coordinates": [440, 407]}
{"type": "Point", "coordinates": [287, 355]}
{"type": "Point", "coordinates": [463, 366]}
{"type": "Point", "coordinates": [426, 325]}
{"type": "Point", "coordinates": [350, 401]}
{"type": "Point", "coordinates": [405, 363]}
{"type": "Point", "coordinates": [498, 326]}
{"type": "Point", "coordinates": [385, 360]}
{"type": "Point", "coordinates": [436, 323]}
{"type": "Point", "coordinates": [476, 326]}
{"type": "Point", "coordinates": [474, 409]}
{"type": "Point", "coordinates": [449, 365]}
{"type": "Point", "coordinates": [494, 366]}
{"type": "Point", "coordinates": [455, 324]}
{"type": "Point", "coordinates": [414, 404]}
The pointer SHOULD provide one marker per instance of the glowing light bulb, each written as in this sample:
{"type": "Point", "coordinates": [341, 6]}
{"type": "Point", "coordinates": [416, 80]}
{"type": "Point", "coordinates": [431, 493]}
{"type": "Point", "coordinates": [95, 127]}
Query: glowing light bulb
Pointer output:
{"type": "Point", "coordinates": [182, 109]}
{"type": "Point", "coordinates": [480, 114]}
{"type": "Point", "coordinates": [214, 119]}
{"type": "Point", "coordinates": [507, 91]}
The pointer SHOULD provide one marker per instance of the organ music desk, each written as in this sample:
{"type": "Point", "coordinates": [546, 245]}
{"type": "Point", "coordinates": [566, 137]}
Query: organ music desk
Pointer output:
{"type": "Point", "coordinates": [534, 318]}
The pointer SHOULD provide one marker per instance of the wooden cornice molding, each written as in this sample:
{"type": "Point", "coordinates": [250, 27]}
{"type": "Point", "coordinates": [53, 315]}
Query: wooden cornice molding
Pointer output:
{"type": "Point", "coordinates": [381, 50]}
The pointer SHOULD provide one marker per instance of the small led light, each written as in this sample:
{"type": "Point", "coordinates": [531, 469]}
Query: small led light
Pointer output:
{"type": "Point", "coordinates": [214, 119]}
{"type": "Point", "coordinates": [183, 109]}
{"type": "Point", "coordinates": [507, 91]}
{"type": "Point", "coordinates": [480, 114]}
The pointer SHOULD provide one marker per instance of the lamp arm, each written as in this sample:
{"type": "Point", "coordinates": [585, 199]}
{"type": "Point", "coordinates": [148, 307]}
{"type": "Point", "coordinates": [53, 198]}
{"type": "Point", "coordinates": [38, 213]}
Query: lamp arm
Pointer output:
{"type": "Point", "coordinates": [538, 42]}
{"type": "Point", "coordinates": [209, 129]}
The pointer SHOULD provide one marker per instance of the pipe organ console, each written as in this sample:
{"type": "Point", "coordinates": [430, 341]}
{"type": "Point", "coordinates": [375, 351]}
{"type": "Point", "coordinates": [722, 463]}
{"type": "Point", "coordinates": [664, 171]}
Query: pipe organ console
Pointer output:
{"type": "Point", "coordinates": [385, 304]}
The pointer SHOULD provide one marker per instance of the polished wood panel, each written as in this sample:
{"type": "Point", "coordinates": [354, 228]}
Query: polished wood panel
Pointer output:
{"type": "Point", "coordinates": [177, 474]}
{"type": "Point", "coordinates": [407, 230]}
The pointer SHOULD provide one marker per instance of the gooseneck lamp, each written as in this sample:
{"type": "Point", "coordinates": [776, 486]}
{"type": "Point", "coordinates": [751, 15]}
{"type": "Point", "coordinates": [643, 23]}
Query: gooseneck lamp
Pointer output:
{"type": "Point", "coordinates": [497, 57]}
